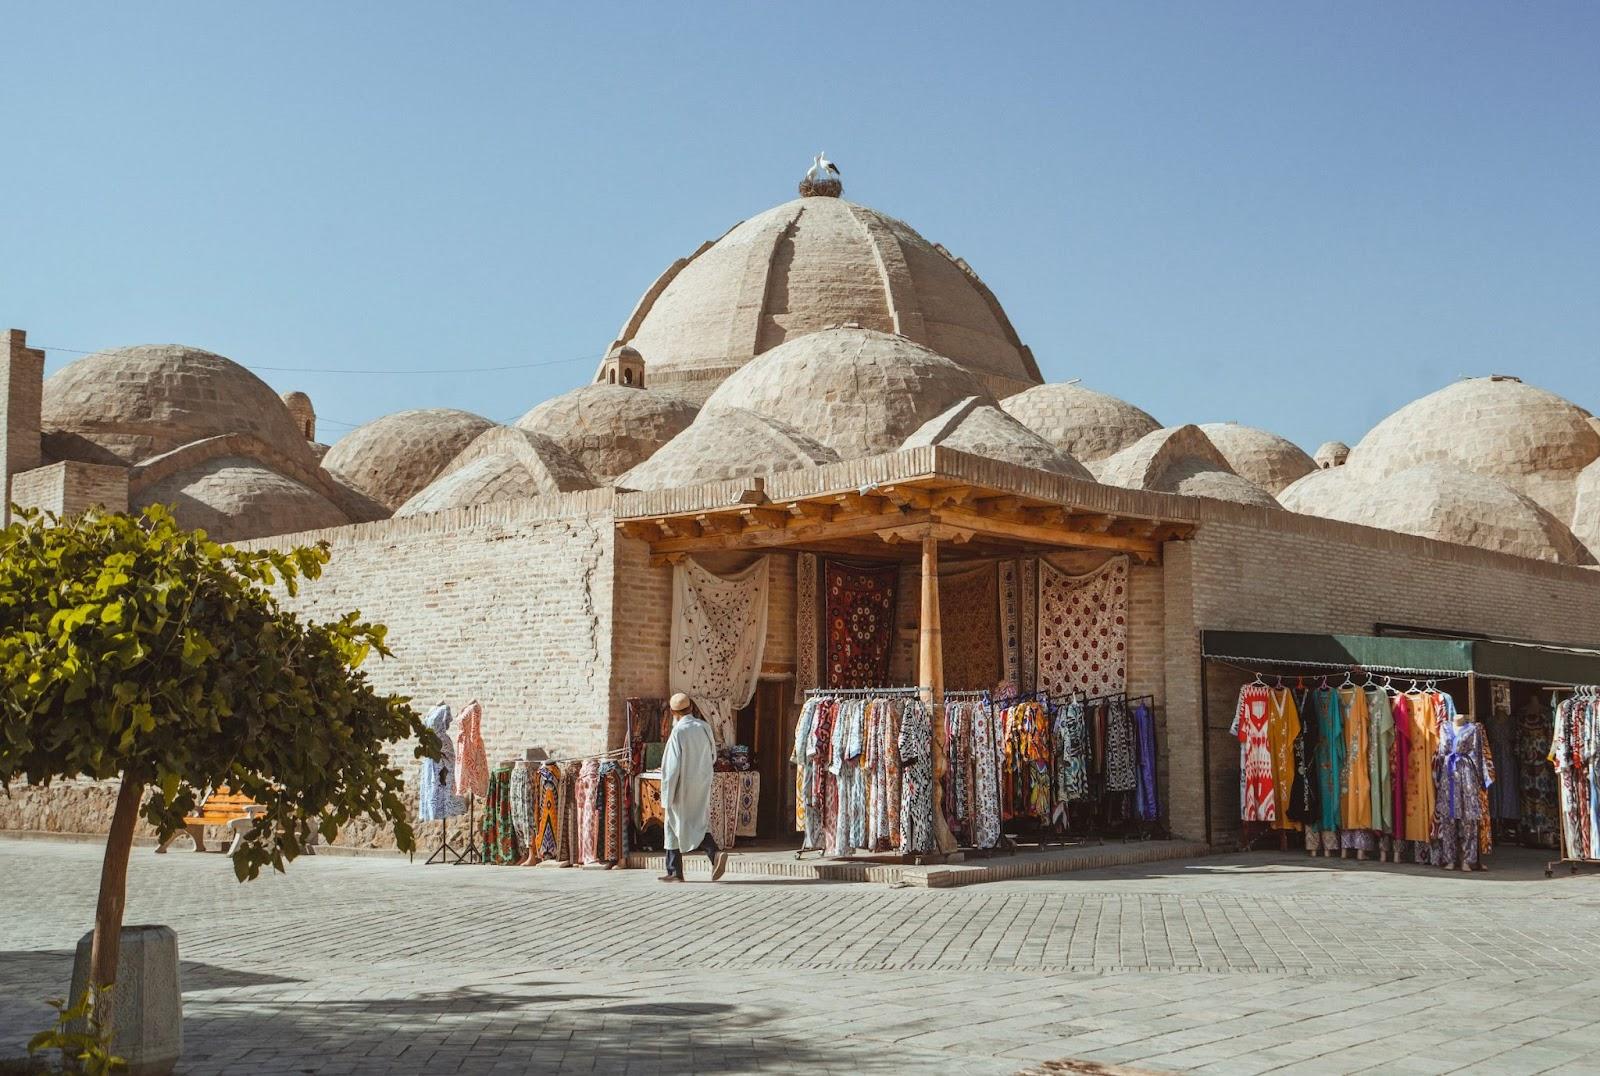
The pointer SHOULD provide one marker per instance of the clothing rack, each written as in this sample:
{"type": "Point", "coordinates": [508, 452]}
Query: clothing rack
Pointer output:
{"type": "Point", "coordinates": [875, 692]}
{"type": "Point", "coordinates": [1587, 693]}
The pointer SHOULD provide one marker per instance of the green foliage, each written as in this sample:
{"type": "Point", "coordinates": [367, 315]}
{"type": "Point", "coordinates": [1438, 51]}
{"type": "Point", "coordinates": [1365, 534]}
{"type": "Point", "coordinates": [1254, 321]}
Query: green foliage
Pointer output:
{"type": "Point", "coordinates": [82, 1040]}
{"type": "Point", "coordinates": [130, 646]}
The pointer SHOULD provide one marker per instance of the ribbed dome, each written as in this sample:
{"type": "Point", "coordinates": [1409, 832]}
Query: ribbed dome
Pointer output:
{"type": "Point", "coordinates": [502, 464]}
{"type": "Point", "coordinates": [1531, 439]}
{"type": "Point", "coordinates": [1085, 424]}
{"type": "Point", "coordinates": [232, 498]}
{"type": "Point", "coordinates": [726, 443]}
{"type": "Point", "coordinates": [611, 428]}
{"type": "Point", "coordinates": [1264, 458]}
{"type": "Point", "coordinates": [977, 425]}
{"type": "Point", "coordinates": [128, 404]}
{"type": "Point", "coordinates": [1455, 505]}
{"type": "Point", "coordinates": [1180, 459]}
{"type": "Point", "coordinates": [390, 458]}
{"type": "Point", "coordinates": [858, 391]}
{"type": "Point", "coordinates": [804, 266]}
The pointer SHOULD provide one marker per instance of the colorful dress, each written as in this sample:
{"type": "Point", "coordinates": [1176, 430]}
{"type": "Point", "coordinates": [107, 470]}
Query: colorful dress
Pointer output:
{"type": "Point", "coordinates": [1121, 768]}
{"type": "Point", "coordinates": [1257, 799]}
{"type": "Point", "coordinates": [1283, 736]}
{"type": "Point", "coordinates": [1328, 769]}
{"type": "Point", "coordinates": [498, 830]}
{"type": "Point", "coordinates": [472, 761]}
{"type": "Point", "coordinates": [1423, 742]}
{"type": "Point", "coordinates": [986, 777]}
{"type": "Point", "coordinates": [1380, 760]}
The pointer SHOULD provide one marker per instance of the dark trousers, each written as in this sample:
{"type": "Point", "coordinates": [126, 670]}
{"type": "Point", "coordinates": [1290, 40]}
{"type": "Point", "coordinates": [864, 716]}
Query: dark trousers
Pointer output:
{"type": "Point", "coordinates": [675, 857]}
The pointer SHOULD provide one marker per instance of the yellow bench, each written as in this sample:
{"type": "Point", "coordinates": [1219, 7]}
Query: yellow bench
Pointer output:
{"type": "Point", "coordinates": [221, 808]}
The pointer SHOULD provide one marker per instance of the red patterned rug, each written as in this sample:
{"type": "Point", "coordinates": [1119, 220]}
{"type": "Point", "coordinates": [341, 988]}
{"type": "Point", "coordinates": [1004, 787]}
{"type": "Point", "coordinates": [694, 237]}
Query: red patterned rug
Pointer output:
{"type": "Point", "coordinates": [860, 604]}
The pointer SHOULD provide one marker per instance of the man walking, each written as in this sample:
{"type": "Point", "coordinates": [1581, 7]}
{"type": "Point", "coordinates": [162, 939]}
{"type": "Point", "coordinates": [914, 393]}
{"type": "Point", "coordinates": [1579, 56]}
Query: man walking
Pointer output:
{"type": "Point", "coordinates": [687, 766]}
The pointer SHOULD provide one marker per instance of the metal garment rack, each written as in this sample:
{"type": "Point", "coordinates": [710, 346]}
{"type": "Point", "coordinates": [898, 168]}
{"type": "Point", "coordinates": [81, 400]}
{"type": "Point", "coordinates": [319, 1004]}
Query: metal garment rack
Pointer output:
{"type": "Point", "coordinates": [854, 693]}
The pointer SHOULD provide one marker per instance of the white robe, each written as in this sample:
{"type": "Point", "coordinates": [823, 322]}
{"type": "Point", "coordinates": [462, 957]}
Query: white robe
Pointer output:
{"type": "Point", "coordinates": [687, 765]}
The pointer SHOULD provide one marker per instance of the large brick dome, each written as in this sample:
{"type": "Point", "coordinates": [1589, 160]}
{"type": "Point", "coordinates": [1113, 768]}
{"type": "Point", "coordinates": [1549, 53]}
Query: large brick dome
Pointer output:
{"type": "Point", "coordinates": [128, 404]}
{"type": "Point", "coordinates": [807, 265]}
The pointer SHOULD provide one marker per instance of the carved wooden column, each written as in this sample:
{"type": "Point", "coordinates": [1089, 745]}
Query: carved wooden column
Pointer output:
{"type": "Point", "coordinates": [930, 668]}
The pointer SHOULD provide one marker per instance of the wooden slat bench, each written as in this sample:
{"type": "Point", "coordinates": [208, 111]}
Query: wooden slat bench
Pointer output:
{"type": "Point", "coordinates": [221, 808]}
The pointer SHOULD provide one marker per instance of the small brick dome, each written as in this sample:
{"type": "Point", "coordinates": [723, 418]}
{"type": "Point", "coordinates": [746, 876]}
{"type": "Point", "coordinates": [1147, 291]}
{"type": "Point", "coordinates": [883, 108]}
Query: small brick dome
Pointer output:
{"type": "Point", "coordinates": [727, 443]}
{"type": "Point", "coordinates": [233, 498]}
{"type": "Point", "coordinates": [1085, 424]}
{"type": "Point", "coordinates": [611, 428]}
{"type": "Point", "coordinates": [1264, 458]}
{"type": "Point", "coordinates": [1180, 459]}
{"type": "Point", "coordinates": [391, 458]}
{"type": "Point", "coordinates": [978, 426]}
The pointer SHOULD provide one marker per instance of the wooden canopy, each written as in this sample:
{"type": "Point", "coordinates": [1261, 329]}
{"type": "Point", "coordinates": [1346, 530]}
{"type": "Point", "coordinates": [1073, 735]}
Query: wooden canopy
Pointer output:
{"type": "Point", "coordinates": [886, 519]}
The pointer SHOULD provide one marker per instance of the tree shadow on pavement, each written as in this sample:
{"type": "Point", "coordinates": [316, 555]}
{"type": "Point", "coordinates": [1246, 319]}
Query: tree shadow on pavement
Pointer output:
{"type": "Point", "coordinates": [473, 1030]}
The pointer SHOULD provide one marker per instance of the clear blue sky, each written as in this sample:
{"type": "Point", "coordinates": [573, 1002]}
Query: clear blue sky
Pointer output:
{"type": "Point", "coordinates": [1296, 216]}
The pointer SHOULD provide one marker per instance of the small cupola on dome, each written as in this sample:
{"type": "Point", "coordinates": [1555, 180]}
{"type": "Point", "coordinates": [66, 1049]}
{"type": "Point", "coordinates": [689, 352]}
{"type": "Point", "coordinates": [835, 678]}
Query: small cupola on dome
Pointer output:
{"type": "Point", "coordinates": [622, 365]}
{"type": "Point", "coordinates": [305, 416]}
{"type": "Point", "coordinates": [821, 179]}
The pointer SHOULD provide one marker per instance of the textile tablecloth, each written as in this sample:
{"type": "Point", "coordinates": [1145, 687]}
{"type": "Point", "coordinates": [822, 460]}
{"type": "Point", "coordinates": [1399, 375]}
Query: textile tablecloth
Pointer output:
{"type": "Point", "coordinates": [734, 798]}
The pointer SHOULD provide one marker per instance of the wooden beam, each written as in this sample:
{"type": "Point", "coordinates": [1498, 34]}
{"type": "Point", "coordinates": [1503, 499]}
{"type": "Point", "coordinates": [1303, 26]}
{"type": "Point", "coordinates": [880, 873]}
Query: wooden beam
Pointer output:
{"type": "Point", "coordinates": [908, 496]}
{"type": "Point", "coordinates": [725, 523]}
{"type": "Point", "coordinates": [815, 510]}
{"type": "Point", "coordinates": [862, 504]}
{"type": "Point", "coordinates": [774, 518]}
{"type": "Point", "coordinates": [1040, 535]}
{"type": "Point", "coordinates": [1090, 522]}
{"type": "Point", "coordinates": [797, 534]}
{"type": "Point", "coordinates": [1005, 506]}
{"type": "Point", "coordinates": [640, 530]}
{"type": "Point", "coordinates": [679, 527]}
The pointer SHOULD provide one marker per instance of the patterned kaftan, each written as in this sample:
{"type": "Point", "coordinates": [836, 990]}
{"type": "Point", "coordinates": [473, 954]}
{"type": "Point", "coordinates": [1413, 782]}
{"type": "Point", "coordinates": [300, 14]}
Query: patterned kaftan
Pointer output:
{"type": "Point", "coordinates": [801, 757]}
{"type": "Point", "coordinates": [1257, 801]}
{"type": "Point", "coordinates": [986, 777]}
{"type": "Point", "coordinates": [1121, 767]}
{"type": "Point", "coordinates": [436, 795]}
{"type": "Point", "coordinates": [916, 779]}
{"type": "Point", "coordinates": [1072, 753]}
{"type": "Point", "coordinates": [1460, 779]}
{"type": "Point", "coordinates": [472, 761]}
{"type": "Point", "coordinates": [1327, 769]}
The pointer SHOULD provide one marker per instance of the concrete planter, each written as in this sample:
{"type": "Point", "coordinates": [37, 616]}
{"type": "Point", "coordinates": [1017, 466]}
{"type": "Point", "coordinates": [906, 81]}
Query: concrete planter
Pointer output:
{"type": "Point", "coordinates": [147, 998]}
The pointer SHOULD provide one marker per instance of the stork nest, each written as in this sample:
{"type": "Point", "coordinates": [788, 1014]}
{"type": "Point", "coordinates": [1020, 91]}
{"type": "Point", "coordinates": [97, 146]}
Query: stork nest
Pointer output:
{"type": "Point", "coordinates": [820, 188]}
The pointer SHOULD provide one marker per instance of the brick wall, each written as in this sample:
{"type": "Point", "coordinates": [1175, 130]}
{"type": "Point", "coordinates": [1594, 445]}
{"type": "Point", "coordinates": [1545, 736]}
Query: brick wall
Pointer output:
{"type": "Point", "coordinates": [1313, 576]}
{"type": "Point", "coordinates": [71, 486]}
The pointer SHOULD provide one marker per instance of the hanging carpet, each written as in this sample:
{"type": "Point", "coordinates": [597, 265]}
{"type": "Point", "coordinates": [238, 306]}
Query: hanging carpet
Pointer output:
{"type": "Point", "coordinates": [860, 607]}
{"type": "Point", "coordinates": [969, 604]}
{"type": "Point", "coordinates": [719, 630]}
{"type": "Point", "coordinates": [1083, 630]}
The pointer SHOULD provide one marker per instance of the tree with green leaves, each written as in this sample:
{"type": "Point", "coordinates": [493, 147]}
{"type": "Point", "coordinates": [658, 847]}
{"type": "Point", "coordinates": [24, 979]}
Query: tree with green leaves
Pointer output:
{"type": "Point", "coordinates": [132, 649]}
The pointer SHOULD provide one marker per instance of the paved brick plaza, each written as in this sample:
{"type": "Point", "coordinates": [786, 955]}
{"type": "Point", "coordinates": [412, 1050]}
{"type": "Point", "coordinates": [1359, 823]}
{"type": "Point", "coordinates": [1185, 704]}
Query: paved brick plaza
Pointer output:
{"type": "Point", "coordinates": [1235, 964]}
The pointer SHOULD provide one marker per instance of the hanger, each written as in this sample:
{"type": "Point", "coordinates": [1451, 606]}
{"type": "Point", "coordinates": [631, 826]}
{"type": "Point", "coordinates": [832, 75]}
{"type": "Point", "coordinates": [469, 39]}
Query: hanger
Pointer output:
{"type": "Point", "coordinates": [1258, 681]}
{"type": "Point", "coordinates": [1348, 680]}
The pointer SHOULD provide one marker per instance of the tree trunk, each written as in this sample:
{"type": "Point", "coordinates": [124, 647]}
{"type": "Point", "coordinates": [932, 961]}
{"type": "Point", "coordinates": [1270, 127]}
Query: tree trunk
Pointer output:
{"type": "Point", "coordinates": [107, 945]}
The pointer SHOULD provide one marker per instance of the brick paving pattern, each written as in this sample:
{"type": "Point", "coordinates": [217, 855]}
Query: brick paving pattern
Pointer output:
{"type": "Point", "coordinates": [1233, 964]}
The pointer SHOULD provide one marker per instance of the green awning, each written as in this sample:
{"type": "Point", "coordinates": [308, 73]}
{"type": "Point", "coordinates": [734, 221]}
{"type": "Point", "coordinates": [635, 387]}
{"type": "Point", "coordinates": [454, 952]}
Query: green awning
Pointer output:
{"type": "Point", "coordinates": [1404, 654]}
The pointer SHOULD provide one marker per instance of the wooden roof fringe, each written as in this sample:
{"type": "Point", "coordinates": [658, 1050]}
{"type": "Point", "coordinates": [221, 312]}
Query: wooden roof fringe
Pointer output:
{"type": "Point", "coordinates": [870, 505]}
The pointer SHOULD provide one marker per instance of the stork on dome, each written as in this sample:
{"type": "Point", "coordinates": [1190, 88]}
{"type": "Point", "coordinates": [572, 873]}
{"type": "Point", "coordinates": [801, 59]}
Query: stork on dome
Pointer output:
{"type": "Point", "coordinates": [821, 179]}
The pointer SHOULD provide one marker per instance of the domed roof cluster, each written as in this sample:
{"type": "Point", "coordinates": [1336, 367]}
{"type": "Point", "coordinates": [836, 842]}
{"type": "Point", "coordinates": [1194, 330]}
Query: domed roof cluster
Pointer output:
{"type": "Point", "coordinates": [1487, 461]}
{"type": "Point", "coordinates": [200, 432]}
{"type": "Point", "coordinates": [816, 332]}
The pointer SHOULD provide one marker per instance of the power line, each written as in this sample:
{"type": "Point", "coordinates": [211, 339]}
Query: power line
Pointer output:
{"type": "Point", "coordinates": [389, 371]}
